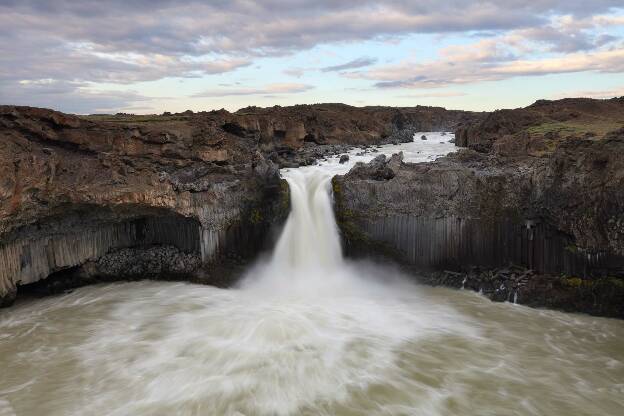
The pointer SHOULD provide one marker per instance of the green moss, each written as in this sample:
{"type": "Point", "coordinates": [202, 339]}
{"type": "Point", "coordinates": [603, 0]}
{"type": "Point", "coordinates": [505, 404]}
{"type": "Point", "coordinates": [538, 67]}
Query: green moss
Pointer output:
{"type": "Point", "coordinates": [614, 281]}
{"type": "Point", "coordinates": [347, 214]}
{"type": "Point", "coordinates": [602, 283]}
{"type": "Point", "coordinates": [345, 218]}
{"type": "Point", "coordinates": [571, 248]}
{"type": "Point", "coordinates": [256, 216]}
{"type": "Point", "coordinates": [336, 187]}
{"type": "Point", "coordinates": [572, 282]}
{"type": "Point", "coordinates": [285, 196]}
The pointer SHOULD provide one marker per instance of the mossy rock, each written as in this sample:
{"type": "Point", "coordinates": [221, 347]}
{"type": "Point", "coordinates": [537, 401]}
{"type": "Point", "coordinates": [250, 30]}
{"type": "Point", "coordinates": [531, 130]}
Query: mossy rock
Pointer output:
{"type": "Point", "coordinates": [255, 216]}
{"type": "Point", "coordinates": [575, 282]}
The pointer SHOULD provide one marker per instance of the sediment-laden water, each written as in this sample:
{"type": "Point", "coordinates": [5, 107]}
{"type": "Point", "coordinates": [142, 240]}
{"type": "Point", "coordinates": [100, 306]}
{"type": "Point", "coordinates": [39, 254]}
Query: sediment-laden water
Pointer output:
{"type": "Point", "coordinates": [306, 332]}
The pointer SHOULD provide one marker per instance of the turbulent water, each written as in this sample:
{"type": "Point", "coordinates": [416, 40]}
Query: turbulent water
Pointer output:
{"type": "Point", "coordinates": [306, 333]}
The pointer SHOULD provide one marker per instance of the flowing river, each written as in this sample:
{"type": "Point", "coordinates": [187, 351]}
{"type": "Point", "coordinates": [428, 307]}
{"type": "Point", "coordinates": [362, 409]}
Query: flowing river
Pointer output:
{"type": "Point", "coordinates": [307, 332]}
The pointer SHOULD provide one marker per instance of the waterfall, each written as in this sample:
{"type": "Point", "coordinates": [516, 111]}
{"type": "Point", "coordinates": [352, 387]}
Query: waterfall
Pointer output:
{"type": "Point", "coordinates": [308, 253]}
{"type": "Point", "coordinates": [310, 239]}
{"type": "Point", "coordinates": [307, 259]}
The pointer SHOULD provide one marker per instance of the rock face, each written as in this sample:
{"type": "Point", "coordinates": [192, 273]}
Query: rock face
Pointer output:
{"type": "Point", "coordinates": [543, 196]}
{"type": "Point", "coordinates": [536, 129]}
{"type": "Point", "coordinates": [286, 133]}
{"type": "Point", "coordinates": [179, 193]}
{"type": "Point", "coordinates": [73, 190]}
{"type": "Point", "coordinates": [342, 124]}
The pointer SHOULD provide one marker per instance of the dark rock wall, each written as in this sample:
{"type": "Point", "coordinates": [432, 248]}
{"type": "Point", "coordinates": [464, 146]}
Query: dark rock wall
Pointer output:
{"type": "Point", "coordinates": [454, 243]}
{"type": "Point", "coordinates": [73, 191]}
{"type": "Point", "coordinates": [77, 189]}
{"type": "Point", "coordinates": [339, 123]}
{"type": "Point", "coordinates": [558, 212]}
{"type": "Point", "coordinates": [34, 255]}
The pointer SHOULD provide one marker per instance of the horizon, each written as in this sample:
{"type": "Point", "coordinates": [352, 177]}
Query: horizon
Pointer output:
{"type": "Point", "coordinates": [358, 106]}
{"type": "Point", "coordinates": [150, 57]}
{"type": "Point", "coordinates": [317, 104]}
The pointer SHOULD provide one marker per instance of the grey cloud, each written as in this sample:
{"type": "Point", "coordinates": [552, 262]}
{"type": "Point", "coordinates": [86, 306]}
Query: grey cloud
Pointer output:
{"type": "Point", "coordinates": [69, 97]}
{"type": "Point", "coordinates": [295, 72]}
{"type": "Point", "coordinates": [127, 41]}
{"type": "Point", "coordinates": [599, 94]}
{"type": "Point", "coordinates": [567, 40]}
{"type": "Point", "coordinates": [263, 27]}
{"type": "Point", "coordinates": [472, 66]}
{"type": "Point", "coordinates": [267, 90]}
{"type": "Point", "coordinates": [444, 94]}
{"type": "Point", "coordinates": [404, 83]}
{"type": "Point", "coordinates": [356, 63]}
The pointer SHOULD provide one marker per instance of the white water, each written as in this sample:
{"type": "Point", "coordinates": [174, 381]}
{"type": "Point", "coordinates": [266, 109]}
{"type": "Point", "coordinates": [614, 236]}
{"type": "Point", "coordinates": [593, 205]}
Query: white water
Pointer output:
{"type": "Point", "coordinates": [306, 333]}
{"type": "Point", "coordinates": [308, 257]}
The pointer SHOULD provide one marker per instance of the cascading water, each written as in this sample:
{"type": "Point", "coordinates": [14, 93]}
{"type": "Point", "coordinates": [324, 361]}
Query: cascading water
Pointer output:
{"type": "Point", "coordinates": [310, 240]}
{"type": "Point", "coordinates": [306, 333]}
{"type": "Point", "coordinates": [308, 255]}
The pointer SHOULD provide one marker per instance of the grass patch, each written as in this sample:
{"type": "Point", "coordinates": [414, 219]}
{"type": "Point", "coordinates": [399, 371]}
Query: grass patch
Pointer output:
{"type": "Point", "coordinates": [597, 127]}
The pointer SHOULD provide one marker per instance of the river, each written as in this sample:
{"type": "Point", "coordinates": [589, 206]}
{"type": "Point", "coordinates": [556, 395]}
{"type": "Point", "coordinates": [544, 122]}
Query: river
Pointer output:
{"type": "Point", "coordinates": [306, 332]}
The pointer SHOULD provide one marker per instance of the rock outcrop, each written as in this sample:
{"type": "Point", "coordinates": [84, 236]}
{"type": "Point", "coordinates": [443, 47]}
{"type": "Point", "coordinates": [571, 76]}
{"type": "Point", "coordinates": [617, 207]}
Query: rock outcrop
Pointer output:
{"type": "Point", "coordinates": [298, 135]}
{"type": "Point", "coordinates": [80, 195]}
{"type": "Point", "coordinates": [73, 190]}
{"type": "Point", "coordinates": [549, 197]}
{"type": "Point", "coordinates": [343, 124]}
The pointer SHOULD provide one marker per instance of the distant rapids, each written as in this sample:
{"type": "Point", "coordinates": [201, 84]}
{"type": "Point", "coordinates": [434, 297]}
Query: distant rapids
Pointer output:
{"type": "Point", "coordinates": [307, 332]}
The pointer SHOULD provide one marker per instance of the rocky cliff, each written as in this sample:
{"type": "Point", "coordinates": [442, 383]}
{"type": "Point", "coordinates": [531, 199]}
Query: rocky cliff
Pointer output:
{"type": "Point", "coordinates": [85, 198]}
{"type": "Point", "coordinates": [73, 191]}
{"type": "Point", "coordinates": [541, 188]}
{"type": "Point", "coordinates": [343, 124]}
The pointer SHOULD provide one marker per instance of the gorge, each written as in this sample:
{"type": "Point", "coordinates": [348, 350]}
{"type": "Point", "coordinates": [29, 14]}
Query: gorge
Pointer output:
{"type": "Point", "coordinates": [522, 205]}
{"type": "Point", "coordinates": [197, 196]}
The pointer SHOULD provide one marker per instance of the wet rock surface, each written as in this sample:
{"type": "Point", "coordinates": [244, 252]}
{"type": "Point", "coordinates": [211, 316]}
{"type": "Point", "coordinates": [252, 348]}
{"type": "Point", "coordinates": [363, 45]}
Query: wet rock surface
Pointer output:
{"type": "Point", "coordinates": [557, 211]}
{"type": "Point", "coordinates": [602, 295]}
{"type": "Point", "coordinates": [154, 262]}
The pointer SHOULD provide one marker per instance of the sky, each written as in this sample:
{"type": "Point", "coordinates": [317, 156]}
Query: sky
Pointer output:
{"type": "Point", "coordinates": [150, 56]}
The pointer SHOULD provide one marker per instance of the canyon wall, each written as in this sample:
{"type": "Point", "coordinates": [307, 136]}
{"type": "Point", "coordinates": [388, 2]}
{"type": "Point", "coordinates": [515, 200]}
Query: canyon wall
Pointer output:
{"type": "Point", "coordinates": [186, 195]}
{"type": "Point", "coordinates": [73, 191]}
{"type": "Point", "coordinates": [548, 197]}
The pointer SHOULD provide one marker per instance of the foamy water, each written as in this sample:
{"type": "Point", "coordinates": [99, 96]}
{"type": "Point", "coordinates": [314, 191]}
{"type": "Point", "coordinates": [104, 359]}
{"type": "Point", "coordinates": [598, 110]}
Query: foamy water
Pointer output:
{"type": "Point", "coordinates": [307, 332]}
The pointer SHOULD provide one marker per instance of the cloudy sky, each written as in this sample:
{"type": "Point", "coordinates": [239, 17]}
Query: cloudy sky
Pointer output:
{"type": "Point", "coordinates": [146, 56]}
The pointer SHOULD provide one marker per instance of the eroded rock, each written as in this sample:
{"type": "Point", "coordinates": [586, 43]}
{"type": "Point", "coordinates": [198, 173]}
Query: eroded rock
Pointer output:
{"type": "Point", "coordinates": [552, 203]}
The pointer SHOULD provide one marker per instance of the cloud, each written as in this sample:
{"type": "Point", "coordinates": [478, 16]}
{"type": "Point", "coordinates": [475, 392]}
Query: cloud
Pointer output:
{"type": "Point", "coordinates": [126, 42]}
{"type": "Point", "coordinates": [356, 63]}
{"type": "Point", "coordinates": [75, 97]}
{"type": "Point", "coordinates": [353, 64]}
{"type": "Point", "coordinates": [267, 90]}
{"type": "Point", "coordinates": [295, 72]}
{"type": "Point", "coordinates": [492, 59]}
{"type": "Point", "coordinates": [176, 29]}
{"type": "Point", "coordinates": [444, 94]}
{"type": "Point", "coordinates": [567, 34]}
{"type": "Point", "coordinates": [600, 94]}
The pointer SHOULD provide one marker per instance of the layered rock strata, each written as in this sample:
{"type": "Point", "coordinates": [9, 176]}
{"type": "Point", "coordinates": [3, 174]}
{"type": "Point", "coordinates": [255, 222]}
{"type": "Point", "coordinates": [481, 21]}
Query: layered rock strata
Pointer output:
{"type": "Point", "coordinates": [182, 194]}
{"type": "Point", "coordinates": [74, 190]}
{"type": "Point", "coordinates": [556, 208]}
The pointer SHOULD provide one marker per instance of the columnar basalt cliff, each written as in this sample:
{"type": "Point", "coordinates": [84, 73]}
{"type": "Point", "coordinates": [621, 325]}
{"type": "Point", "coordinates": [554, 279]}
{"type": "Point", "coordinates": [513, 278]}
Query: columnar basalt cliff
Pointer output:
{"type": "Point", "coordinates": [73, 191]}
{"type": "Point", "coordinates": [540, 188]}
{"type": "Point", "coordinates": [171, 196]}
